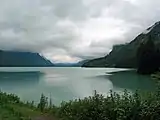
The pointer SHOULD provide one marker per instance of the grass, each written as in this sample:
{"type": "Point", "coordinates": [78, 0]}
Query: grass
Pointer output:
{"type": "Point", "coordinates": [25, 111]}
{"type": "Point", "coordinates": [16, 112]}
{"type": "Point", "coordinates": [11, 108]}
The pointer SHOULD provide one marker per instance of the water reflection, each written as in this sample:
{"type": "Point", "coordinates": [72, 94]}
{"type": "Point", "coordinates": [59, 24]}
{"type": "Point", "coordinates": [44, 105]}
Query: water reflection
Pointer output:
{"type": "Point", "coordinates": [131, 80]}
{"type": "Point", "coordinates": [127, 80]}
{"type": "Point", "coordinates": [66, 84]}
{"type": "Point", "coordinates": [19, 79]}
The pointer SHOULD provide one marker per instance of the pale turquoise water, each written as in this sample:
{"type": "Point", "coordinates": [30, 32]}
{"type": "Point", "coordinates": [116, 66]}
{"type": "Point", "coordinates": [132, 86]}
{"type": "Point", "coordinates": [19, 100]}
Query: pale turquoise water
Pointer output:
{"type": "Point", "coordinates": [64, 84]}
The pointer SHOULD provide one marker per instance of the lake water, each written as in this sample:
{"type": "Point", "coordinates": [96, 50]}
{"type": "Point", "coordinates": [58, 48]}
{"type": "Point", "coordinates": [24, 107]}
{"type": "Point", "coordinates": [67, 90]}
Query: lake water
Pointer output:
{"type": "Point", "coordinates": [63, 84]}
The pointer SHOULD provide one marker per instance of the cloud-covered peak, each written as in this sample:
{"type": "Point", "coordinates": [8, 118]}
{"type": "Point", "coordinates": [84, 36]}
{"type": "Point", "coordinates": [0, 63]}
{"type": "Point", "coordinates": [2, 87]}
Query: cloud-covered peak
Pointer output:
{"type": "Point", "coordinates": [71, 30]}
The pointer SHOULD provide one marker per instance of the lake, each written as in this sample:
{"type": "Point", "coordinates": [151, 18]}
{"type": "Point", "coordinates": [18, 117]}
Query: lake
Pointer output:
{"type": "Point", "coordinates": [63, 84]}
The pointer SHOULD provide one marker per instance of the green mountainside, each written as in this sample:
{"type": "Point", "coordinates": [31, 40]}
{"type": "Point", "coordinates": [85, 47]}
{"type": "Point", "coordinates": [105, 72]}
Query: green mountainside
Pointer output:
{"type": "Point", "coordinates": [23, 59]}
{"type": "Point", "coordinates": [124, 56]}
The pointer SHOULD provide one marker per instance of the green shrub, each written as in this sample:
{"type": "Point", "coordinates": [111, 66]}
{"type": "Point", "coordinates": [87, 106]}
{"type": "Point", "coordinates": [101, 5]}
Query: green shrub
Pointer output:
{"type": "Point", "coordinates": [137, 106]}
{"type": "Point", "coordinates": [43, 103]}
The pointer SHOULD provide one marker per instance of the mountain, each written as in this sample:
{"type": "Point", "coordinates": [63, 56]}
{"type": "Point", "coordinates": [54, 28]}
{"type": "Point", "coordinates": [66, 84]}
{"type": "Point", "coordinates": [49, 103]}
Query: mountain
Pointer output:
{"type": "Point", "coordinates": [66, 65]}
{"type": "Point", "coordinates": [124, 56]}
{"type": "Point", "coordinates": [148, 57]}
{"type": "Point", "coordinates": [22, 59]}
{"type": "Point", "coordinates": [78, 64]}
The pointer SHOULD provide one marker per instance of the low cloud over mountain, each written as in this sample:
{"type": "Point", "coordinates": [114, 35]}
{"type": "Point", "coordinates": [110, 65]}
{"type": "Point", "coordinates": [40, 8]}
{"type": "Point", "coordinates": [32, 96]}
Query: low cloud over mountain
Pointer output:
{"type": "Point", "coordinates": [72, 30]}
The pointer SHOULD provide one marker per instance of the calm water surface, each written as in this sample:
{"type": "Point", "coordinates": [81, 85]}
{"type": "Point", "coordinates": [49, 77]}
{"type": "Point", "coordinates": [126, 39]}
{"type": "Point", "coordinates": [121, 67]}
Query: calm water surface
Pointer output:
{"type": "Point", "coordinates": [63, 84]}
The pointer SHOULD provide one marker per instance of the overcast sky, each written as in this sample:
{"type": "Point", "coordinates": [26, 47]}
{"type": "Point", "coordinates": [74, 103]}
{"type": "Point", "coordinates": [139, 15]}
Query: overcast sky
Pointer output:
{"type": "Point", "coordinates": [72, 30]}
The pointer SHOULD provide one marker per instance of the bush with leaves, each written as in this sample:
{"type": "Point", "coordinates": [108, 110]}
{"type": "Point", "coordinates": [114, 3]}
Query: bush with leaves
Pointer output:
{"type": "Point", "coordinates": [136, 106]}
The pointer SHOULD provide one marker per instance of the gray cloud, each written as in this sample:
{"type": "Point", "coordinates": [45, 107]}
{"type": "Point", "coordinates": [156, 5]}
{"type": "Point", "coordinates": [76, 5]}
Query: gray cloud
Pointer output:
{"type": "Point", "coordinates": [71, 30]}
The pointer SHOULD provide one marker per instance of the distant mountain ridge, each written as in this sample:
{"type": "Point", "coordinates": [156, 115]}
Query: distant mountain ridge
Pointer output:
{"type": "Point", "coordinates": [23, 59]}
{"type": "Point", "coordinates": [124, 56]}
{"type": "Point", "coordinates": [66, 65]}
{"type": "Point", "coordinates": [78, 64]}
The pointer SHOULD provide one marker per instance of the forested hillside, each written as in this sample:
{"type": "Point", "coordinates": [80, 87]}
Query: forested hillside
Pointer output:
{"type": "Point", "coordinates": [22, 59]}
{"type": "Point", "coordinates": [125, 56]}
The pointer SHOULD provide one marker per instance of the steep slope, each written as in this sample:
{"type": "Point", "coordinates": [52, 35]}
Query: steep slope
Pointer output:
{"type": "Point", "coordinates": [22, 59]}
{"type": "Point", "coordinates": [125, 55]}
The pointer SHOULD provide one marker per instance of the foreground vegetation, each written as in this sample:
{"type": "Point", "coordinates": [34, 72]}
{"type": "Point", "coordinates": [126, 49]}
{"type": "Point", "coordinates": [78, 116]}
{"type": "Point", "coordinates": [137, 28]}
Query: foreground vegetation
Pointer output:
{"type": "Point", "coordinates": [11, 108]}
{"type": "Point", "coordinates": [136, 106]}
{"type": "Point", "coordinates": [114, 107]}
